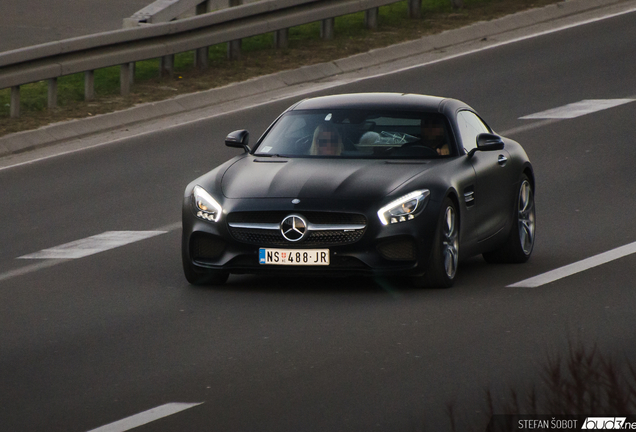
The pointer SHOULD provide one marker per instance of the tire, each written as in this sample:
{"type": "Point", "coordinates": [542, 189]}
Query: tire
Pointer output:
{"type": "Point", "coordinates": [209, 277]}
{"type": "Point", "coordinates": [520, 242]}
{"type": "Point", "coordinates": [442, 266]}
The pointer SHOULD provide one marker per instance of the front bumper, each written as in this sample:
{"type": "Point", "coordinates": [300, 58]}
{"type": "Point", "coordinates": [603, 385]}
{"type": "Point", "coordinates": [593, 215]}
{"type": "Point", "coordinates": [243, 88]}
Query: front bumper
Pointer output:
{"type": "Point", "coordinates": [395, 249]}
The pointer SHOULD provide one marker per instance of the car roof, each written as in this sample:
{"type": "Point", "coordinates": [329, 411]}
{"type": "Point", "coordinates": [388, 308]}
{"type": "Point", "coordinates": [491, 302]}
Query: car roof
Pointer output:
{"type": "Point", "coordinates": [392, 101]}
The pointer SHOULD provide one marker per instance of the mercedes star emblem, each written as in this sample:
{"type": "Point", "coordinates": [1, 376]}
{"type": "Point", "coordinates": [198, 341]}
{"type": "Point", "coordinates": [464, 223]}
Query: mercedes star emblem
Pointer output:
{"type": "Point", "coordinates": [293, 228]}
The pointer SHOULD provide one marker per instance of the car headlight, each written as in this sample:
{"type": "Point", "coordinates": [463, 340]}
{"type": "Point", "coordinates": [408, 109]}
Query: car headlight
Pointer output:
{"type": "Point", "coordinates": [206, 207]}
{"type": "Point", "coordinates": [405, 208]}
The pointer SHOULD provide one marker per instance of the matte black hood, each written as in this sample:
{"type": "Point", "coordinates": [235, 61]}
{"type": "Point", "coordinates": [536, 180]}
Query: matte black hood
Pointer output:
{"type": "Point", "coordinates": [253, 177]}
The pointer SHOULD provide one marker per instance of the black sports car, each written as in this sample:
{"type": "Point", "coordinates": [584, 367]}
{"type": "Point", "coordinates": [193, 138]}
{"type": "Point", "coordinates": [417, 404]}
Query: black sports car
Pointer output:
{"type": "Point", "coordinates": [370, 184]}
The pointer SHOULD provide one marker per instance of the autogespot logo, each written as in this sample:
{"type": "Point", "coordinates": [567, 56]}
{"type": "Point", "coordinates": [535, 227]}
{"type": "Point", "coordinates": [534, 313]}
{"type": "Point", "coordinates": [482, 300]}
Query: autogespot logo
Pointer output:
{"type": "Point", "coordinates": [605, 423]}
{"type": "Point", "coordinates": [293, 228]}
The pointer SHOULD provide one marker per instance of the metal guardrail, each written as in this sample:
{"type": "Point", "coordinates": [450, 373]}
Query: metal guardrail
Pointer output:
{"type": "Point", "coordinates": [164, 11]}
{"type": "Point", "coordinates": [163, 40]}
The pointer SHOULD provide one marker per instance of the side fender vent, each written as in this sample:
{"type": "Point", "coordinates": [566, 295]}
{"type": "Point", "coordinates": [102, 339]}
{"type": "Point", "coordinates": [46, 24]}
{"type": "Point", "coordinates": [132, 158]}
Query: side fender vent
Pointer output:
{"type": "Point", "coordinates": [469, 196]}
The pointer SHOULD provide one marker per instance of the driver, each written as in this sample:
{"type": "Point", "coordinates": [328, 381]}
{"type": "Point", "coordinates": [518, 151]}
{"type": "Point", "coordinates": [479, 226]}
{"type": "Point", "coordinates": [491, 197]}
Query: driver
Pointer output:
{"type": "Point", "coordinates": [326, 141]}
{"type": "Point", "coordinates": [433, 136]}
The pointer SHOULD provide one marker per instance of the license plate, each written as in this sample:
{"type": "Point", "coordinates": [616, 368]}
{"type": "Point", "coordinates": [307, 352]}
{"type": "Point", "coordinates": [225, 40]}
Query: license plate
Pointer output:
{"type": "Point", "coordinates": [293, 256]}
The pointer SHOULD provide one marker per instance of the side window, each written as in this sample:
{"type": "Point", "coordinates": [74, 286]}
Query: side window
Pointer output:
{"type": "Point", "coordinates": [469, 127]}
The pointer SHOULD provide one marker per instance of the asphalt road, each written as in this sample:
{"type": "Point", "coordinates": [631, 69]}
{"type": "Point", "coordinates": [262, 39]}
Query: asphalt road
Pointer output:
{"type": "Point", "coordinates": [90, 341]}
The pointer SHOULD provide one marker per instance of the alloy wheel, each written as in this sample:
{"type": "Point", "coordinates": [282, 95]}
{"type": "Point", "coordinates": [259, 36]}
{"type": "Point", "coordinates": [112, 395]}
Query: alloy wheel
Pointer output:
{"type": "Point", "coordinates": [526, 217]}
{"type": "Point", "coordinates": [450, 242]}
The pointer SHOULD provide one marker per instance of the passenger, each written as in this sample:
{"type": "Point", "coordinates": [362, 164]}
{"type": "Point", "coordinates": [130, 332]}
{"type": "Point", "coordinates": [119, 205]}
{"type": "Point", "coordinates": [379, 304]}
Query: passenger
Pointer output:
{"type": "Point", "coordinates": [434, 136]}
{"type": "Point", "coordinates": [326, 141]}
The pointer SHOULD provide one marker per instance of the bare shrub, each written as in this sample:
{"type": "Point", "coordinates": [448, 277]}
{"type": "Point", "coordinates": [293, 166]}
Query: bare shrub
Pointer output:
{"type": "Point", "coordinates": [585, 382]}
{"type": "Point", "coordinates": [582, 383]}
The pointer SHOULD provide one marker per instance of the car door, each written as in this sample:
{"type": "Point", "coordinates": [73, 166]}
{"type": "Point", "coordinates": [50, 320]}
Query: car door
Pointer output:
{"type": "Point", "coordinates": [491, 188]}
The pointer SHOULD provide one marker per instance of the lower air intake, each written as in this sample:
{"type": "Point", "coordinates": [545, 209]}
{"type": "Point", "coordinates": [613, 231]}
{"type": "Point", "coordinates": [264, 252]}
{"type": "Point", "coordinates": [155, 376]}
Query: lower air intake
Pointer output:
{"type": "Point", "coordinates": [399, 250]}
{"type": "Point", "coordinates": [206, 247]}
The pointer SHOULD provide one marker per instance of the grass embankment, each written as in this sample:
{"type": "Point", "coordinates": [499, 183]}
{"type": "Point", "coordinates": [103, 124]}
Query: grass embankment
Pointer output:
{"type": "Point", "coordinates": [258, 58]}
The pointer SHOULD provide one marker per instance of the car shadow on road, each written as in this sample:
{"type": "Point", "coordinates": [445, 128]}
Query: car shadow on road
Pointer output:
{"type": "Point", "coordinates": [298, 284]}
{"type": "Point", "coordinates": [473, 274]}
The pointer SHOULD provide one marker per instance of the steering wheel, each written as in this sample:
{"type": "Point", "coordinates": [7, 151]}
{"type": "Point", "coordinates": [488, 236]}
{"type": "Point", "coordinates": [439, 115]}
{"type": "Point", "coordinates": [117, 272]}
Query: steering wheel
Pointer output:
{"type": "Point", "coordinates": [304, 142]}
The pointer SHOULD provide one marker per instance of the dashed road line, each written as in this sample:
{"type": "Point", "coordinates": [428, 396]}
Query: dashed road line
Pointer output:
{"type": "Point", "coordinates": [92, 245]}
{"type": "Point", "coordinates": [146, 417]}
{"type": "Point", "coordinates": [576, 267]}
{"type": "Point", "coordinates": [577, 109]}
{"type": "Point", "coordinates": [30, 269]}
{"type": "Point", "coordinates": [81, 248]}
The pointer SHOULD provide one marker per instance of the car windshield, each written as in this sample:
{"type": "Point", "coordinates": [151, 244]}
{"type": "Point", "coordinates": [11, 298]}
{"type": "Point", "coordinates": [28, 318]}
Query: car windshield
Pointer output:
{"type": "Point", "coordinates": [358, 134]}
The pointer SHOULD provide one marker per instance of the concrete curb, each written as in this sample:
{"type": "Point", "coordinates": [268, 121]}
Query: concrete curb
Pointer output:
{"type": "Point", "coordinates": [60, 132]}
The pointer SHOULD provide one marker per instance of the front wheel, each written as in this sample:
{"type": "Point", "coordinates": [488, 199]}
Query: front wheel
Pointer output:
{"type": "Point", "coordinates": [520, 243]}
{"type": "Point", "coordinates": [442, 266]}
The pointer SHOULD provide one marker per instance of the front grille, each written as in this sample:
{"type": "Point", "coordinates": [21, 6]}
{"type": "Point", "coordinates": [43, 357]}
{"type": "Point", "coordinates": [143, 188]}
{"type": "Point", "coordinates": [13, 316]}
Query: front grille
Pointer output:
{"type": "Point", "coordinates": [205, 247]}
{"type": "Point", "coordinates": [399, 250]}
{"type": "Point", "coordinates": [274, 237]}
{"type": "Point", "coordinates": [258, 236]}
{"type": "Point", "coordinates": [333, 237]}
{"type": "Point", "coordinates": [312, 217]}
{"type": "Point", "coordinates": [315, 238]}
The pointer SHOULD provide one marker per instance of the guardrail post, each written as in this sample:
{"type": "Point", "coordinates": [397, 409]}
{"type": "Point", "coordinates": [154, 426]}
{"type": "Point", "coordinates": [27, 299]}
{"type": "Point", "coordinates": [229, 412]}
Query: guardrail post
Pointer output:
{"type": "Point", "coordinates": [124, 79]}
{"type": "Point", "coordinates": [415, 8]}
{"type": "Point", "coordinates": [89, 85]}
{"type": "Point", "coordinates": [15, 102]}
{"type": "Point", "coordinates": [52, 93]}
{"type": "Point", "coordinates": [133, 69]}
{"type": "Point", "coordinates": [281, 38]}
{"type": "Point", "coordinates": [234, 47]}
{"type": "Point", "coordinates": [201, 58]}
{"type": "Point", "coordinates": [166, 65]}
{"type": "Point", "coordinates": [204, 7]}
{"type": "Point", "coordinates": [327, 28]}
{"type": "Point", "coordinates": [371, 18]}
{"type": "Point", "coordinates": [201, 55]}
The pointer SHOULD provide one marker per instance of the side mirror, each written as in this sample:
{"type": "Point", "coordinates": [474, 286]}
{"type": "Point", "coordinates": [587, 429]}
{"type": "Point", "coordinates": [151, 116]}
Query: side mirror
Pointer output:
{"type": "Point", "coordinates": [487, 142]}
{"type": "Point", "coordinates": [238, 139]}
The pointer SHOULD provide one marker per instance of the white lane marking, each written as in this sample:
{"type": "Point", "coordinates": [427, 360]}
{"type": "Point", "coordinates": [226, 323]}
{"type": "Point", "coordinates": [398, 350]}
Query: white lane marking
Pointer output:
{"type": "Point", "coordinates": [52, 262]}
{"type": "Point", "coordinates": [577, 109]}
{"type": "Point", "coordinates": [92, 245]}
{"type": "Point", "coordinates": [576, 267]}
{"type": "Point", "coordinates": [145, 417]}
{"type": "Point", "coordinates": [29, 269]}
